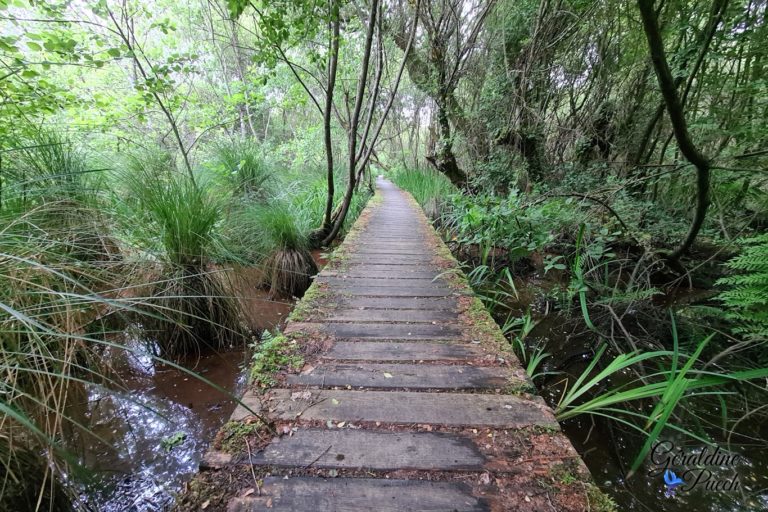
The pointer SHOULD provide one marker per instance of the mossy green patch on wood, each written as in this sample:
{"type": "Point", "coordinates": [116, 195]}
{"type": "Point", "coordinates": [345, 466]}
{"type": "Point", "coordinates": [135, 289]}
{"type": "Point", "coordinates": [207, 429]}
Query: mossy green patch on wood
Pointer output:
{"type": "Point", "coordinates": [519, 387]}
{"type": "Point", "coordinates": [273, 354]}
{"type": "Point", "coordinates": [313, 298]}
{"type": "Point", "coordinates": [231, 437]}
{"type": "Point", "coordinates": [599, 501]}
{"type": "Point", "coordinates": [482, 327]}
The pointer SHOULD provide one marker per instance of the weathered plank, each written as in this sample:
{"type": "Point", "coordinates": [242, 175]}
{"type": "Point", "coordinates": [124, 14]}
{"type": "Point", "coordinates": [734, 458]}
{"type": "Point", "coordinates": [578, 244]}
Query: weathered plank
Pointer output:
{"type": "Point", "coordinates": [389, 259]}
{"type": "Point", "coordinates": [394, 281]}
{"type": "Point", "coordinates": [416, 290]}
{"type": "Point", "coordinates": [405, 407]}
{"type": "Point", "coordinates": [391, 315]}
{"type": "Point", "coordinates": [415, 376]}
{"type": "Point", "coordinates": [434, 303]}
{"type": "Point", "coordinates": [368, 272]}
{"type": "Point", "coordinates": [348, 448]}
{"type": "Point", "coordinates": [356, 494]}
{"type": "Point", "coordinates": [388, 331]}
{"type": "Point", "coordinates": [387, 351]}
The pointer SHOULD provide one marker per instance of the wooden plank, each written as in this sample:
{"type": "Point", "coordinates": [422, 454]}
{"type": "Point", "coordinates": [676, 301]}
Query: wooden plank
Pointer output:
{"type": "Point", "coordinates": [305, 494]}
{"type": "Point", "coordinates": [390, 259]}
{"type": "Point", "coordinates": [434, 303]}
{"type": "Point", "coordinates": [414, 376]}
{"type": "Point", "coordinates": [388, 331]}
{"type": "Point", "coordinates": [405, 407]}
{"type": "Point", "coordinates": [390, 315]}
{"type": "Point", "coordinates": [360, 272]}
{"type": "Point", "coordinates": [417, 290]}
{"type": "Point", "coordinates": [393, 281]}
{"type": "Point", "coordinates": [390, 351]}
{"type": "Point", "coordinates": [365, 449]}
{"type": "Point", "coordinates": [365, 252]}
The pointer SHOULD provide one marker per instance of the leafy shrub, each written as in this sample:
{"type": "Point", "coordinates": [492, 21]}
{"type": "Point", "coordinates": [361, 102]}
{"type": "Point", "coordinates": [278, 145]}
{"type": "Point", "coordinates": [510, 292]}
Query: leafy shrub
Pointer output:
{"type": "Point", "coordinates": [510, 223]}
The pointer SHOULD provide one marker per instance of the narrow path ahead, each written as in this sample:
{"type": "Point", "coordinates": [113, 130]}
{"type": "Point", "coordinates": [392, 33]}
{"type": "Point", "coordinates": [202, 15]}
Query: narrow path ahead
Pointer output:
{"type": "Point", "coordinates": [408, 399]}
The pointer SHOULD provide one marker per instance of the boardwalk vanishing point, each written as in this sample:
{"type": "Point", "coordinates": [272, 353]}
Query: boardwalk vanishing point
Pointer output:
{"type": "Point", "coordinates": [408, 397]}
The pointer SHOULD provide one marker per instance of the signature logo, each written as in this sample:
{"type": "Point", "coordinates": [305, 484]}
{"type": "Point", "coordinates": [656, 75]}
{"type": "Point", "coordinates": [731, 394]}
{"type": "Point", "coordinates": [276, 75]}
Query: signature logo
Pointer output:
{"type": "Point", "coordinates": [671, 482]}
{"type": "Point", "coordinates": [707, 468]}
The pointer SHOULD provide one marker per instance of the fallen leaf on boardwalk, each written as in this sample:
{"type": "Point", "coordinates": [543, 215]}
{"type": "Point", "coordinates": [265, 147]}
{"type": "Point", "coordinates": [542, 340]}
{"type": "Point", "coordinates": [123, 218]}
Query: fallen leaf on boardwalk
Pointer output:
{"type": "Point", "coordinates": [269, 503]}
{"type": "Point", "coordinates": [205, 504]}
{"type": "Point", "coordinates": [329, 424]}
{"type": "Point", "coordinates": [308, 368]}
{"type": "Point", "coordinates": [341, 424]}
{"type": "Point", "coordinates": [507, 406]}
{"type": "Point", "coordinates": [528, 499]}
{"type": "Point", "coordinates": [301, 395]}
{"type": "Point", "coordinates": [334, 401]}
{"type": "Point", "coordinates": [249, 492]}
{"type": "Point", "coordinates": [387, 375]}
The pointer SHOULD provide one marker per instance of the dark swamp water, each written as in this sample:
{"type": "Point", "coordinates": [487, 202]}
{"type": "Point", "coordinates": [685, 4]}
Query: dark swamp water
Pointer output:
{"type": "Point", "coordinates": [735, 479]}
{"type": "Point", "coordinates": [147, 438]}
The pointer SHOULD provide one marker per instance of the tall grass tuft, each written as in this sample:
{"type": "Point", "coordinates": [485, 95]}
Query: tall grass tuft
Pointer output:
{"type": "Point", "coordinates": [276, 237]}
{"type": "Point", "coordinates": [245, 167]}
{"type": "Point", "coordinates": [44, 355]}
{"type": "Point", "coordinates": [190, 303]}
{"type": "Point", "coordinates": [429, 187]}
{"type": "Point", "coordinates": [47, 176]}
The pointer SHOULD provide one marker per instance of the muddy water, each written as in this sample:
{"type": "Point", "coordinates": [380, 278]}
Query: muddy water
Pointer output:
{"type": "Point", "coordinates": [146, 440]}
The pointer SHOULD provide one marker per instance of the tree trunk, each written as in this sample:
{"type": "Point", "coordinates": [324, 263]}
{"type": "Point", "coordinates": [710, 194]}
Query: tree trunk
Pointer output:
{"type": "Point", "coordinates": [679, 125]}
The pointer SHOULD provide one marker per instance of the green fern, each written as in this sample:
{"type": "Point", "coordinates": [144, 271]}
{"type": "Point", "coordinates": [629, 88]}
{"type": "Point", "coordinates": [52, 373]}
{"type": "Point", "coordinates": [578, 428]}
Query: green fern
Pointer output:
{"type": "Point", "coordinates": [747, 295]}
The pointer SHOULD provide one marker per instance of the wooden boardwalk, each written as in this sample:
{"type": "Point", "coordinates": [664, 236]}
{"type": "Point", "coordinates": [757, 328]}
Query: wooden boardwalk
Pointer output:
{"type": "Point", "coordinates": [409, 398]}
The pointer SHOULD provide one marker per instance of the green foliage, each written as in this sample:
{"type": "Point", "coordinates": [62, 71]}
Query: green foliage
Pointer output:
{"type": "Point", "coordinates": [190, 307]}
{"type": "Point", "coordinates": [667, 387]}
{"type": "Point", "coordinates": [231, 436]}
{"type": "Point", "coordinates": [173, 441]}
{"type": "Point", "coordinates": [244, 165]}
{"type": "Point", "coordinates": [747, 295]}
{"type": "Point", "coordinates": [510, 223]}
{"type": "Point", "coordinates": [276, 238]}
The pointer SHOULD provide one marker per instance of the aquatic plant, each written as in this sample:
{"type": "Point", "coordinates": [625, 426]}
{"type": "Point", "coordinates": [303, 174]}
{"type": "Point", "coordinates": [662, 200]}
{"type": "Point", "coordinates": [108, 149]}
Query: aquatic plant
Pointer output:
{"type": "Point", "coordinates": [592, 393]}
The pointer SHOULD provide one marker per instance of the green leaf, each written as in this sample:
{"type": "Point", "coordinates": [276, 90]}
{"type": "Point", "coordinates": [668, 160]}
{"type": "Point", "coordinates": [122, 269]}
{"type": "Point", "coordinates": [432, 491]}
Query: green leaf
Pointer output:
{"type": "Point", "coordinates": [34, 46]}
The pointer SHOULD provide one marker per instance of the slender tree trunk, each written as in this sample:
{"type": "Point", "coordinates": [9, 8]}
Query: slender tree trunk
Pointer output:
{"type": "Point", "coordinates": [679, 125]}
{"type": "Point", "coordinates": [354, 122]}
{"type": "Point", "coordinates": [328, 112]}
